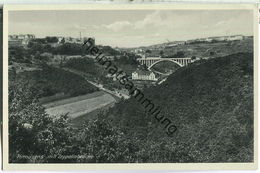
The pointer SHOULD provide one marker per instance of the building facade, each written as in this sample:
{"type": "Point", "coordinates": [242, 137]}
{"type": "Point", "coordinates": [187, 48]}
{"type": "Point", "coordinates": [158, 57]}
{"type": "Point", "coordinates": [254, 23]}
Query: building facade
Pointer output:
{"type": "Point", "coordinates": [219, 38]}
{"type": "Point", "coordinates": [62, 40]}
{"type": "Point", "coordinates": [227, 38]}
{"type": "Point", "coordinates": [143, 75]}
{"type": "Point", "coordinates": [20, 40]}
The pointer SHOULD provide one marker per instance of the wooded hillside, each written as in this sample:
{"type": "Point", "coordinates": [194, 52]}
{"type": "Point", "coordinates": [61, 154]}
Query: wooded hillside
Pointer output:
{"type": "Point", "coordinates": [210, 102]}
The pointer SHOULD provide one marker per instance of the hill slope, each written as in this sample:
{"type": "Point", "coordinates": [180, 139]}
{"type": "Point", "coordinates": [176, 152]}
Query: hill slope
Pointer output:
{"type": "Point", "coordinates": [210, 102]}
{"type": "Point", "coordinates": [50, 81]}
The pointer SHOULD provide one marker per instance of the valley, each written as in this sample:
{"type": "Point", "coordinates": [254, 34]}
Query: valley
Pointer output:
{"type": "Point", "coordinates": [206, 88]}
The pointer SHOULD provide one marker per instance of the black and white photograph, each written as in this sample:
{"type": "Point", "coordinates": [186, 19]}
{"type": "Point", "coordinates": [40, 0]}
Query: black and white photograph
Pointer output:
{"type": "Point", "coordinates": [131, 85]}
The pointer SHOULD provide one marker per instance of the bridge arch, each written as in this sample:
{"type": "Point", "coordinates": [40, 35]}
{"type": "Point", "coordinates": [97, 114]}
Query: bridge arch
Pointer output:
{"type": "Point", "coordinates": [165, 59]}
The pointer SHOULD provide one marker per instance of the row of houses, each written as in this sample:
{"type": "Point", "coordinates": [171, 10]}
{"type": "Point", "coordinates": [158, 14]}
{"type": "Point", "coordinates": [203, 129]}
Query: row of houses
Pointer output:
{"type": "Point", "coordinates": [208, 39]}
{"type": "Point", "coordinates": [219, 38]}
{"type": "Point", "coordinates": [24, 39]}
{"type": "Point", "coordinates": [20, 40]}
{"type": "Point", "coordinates": [74, 40]}
{"type": "Point", "coordinates": [22, 36]}
{"type": "Point", "coordinates": [176, 43]}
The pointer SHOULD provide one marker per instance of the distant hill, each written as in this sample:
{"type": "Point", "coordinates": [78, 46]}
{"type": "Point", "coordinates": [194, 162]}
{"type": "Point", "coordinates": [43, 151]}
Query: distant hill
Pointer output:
{"type": "Point", "coordinates": [200, 49]}
{"type": "Point", "coordinates": [210, 102]}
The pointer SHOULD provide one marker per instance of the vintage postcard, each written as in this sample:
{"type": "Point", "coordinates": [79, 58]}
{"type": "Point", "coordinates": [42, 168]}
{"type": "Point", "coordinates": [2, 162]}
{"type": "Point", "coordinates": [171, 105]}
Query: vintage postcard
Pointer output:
{"type": "Point", "coordinates": [130, 86]}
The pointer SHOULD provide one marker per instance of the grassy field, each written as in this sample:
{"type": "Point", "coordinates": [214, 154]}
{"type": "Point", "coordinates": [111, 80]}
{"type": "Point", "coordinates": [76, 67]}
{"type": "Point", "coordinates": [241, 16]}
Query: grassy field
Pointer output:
{"type": "Point", "coordinates": [73, 99]}
{"type": "Point", "coordinates": [81, 105]}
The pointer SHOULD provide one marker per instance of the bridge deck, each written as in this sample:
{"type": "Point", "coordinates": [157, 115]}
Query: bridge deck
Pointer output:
{"type": "Point", "coordinates": [161, 58]}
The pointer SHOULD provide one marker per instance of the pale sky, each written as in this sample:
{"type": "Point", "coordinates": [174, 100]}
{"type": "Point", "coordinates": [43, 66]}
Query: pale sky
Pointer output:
{"type": "Point", "coordinates": [132, 28]}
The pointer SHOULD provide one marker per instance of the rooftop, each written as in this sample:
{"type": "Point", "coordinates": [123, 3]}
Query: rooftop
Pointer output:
{"type": "Point", "coordinates": [142, 72]}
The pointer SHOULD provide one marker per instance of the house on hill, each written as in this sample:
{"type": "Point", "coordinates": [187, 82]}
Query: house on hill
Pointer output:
{"type": "Point", "coordinates": [143, 75]}
{"type": "Point", "coordinates": [20, 40]}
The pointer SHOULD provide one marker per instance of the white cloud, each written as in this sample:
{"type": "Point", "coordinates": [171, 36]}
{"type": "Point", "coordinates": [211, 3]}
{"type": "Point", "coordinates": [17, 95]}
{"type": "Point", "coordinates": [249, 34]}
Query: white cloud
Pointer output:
{"type": "Point", "coordinates": [153, 19]}
{"type": "Point", "coordinates": [86, 27]}
{"type": "Point", "coordinates": [118, 26]}
{"type": "Point", "coordinates": [132, 29]}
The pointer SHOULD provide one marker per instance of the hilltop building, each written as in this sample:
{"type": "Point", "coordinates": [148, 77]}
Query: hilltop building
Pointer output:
{"type": "Point", "coordinates": [226, 38]}
{"type": "Point", "coordinates": [73, 40]}
{"type": "Point", "coordinates": [143, 75]}
{"type": "Point", "coordinates": [62, 40]}
{"type": "Point", "coordinates": [20, 40]}
{"type": "Point", "coordinates": [138, 50]}
{"type": "Point", "coordinates": [219, 38]}
{"type": "Point", "coordinates": [174, 44]}
{"type": "Point", "coordinates": [24, 39]}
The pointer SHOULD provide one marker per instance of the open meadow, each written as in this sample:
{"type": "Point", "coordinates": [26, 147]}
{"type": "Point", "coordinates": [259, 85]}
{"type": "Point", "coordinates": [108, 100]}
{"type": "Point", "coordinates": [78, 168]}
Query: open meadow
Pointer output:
{"type": "Point", "coordinates": [77, 106]}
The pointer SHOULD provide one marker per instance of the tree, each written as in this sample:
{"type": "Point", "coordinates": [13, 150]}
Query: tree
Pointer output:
{"type": "Point", "coordinates": [69, 49]}
{"type": "Point", "coordinates": [161, 52]}
{"type": "Point", "coordinates": [39, 40]}
{"type": "Point", "coordinates": [180, 54]}
{"type": "Point", "coordinates": [109, 50]}
{"type": "Point", "coordinates": [148, 51]}
{"type": "Point", "coordinates": [211, 53]}
{"type": "Point", "coordinates": [193, 57]}
{"type": "Point", "coordinates": [26, 120]}
{"type": "Point", "coordinates": [52, 39]}
{"type": "Point", "coordinates": [31, 131]}
{"type": "Point", "coordinates": [62, 40]}
{"type": "Point", "coordinates": [105, 143]}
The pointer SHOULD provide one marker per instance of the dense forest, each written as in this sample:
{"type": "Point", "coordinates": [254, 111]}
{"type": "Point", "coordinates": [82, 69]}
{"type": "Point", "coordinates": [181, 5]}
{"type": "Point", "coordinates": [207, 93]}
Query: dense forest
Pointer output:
{"type": "Point", "coordinates": [37, 47]}
{"type": "Point", "coordinates": [86, 65]}
{"type": "Point", "coordinates": [210, 102]}
{"type": "Point", "coordinates": [126, 63]}
{"type": "Point", "coordinates": [93, 71]}
{"type": "Point", "coordinates": [50, 81]}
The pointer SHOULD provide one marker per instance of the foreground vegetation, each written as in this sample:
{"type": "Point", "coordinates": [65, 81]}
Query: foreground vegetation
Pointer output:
{"type": "Point", "coordinates": [211, 103]}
